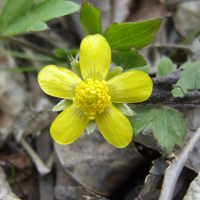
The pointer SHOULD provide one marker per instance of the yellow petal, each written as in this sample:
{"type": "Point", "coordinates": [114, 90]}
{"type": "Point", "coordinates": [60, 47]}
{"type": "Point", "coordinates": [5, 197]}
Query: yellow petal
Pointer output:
{"type": "Point", "coordinates": [95, 57]}
{"type": "Point", "coordinates": [130, 87]}
{"type": "Point", "coordinates": [115, 127]}
{"type": "Point", "coordinates": [58, 81]}
{"type": "Point", "coordinates": [69, 125]}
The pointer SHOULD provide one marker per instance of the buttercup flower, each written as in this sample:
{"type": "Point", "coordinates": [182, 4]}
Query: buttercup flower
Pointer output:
{"type": "Point", "coordinates": [93, 96]}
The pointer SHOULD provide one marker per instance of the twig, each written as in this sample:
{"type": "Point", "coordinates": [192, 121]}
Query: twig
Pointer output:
{"type": "Point", "coordinates": [27, 45]}
{"type": "Point", "coordinates": [173, 171]}
{"type": "Point", "coordinates": [164, 45]}
{"type": "Point", "coordinates": [173, 104]}
{"type": "Point", "coordinates": [41, 167]}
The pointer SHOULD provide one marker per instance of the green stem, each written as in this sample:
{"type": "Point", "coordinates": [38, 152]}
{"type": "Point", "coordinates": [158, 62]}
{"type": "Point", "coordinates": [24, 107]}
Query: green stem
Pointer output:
{"type": "Point", "coordinates": [16, 41]}
{"type": "Point", "coordinates": [16, 54]}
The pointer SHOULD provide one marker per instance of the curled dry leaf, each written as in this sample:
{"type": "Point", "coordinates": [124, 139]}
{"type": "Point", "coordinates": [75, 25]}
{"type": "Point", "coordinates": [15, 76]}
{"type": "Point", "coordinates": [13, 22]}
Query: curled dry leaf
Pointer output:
{"type": "Point", "coordinates": [5, 190]}
{"type": "Point", "coordinates": [98, 165]}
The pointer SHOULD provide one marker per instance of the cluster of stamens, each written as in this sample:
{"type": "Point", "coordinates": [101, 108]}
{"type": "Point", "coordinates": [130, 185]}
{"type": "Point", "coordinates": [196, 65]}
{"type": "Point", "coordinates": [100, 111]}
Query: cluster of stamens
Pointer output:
{"type": "Point", "coordinates": [92, 97]}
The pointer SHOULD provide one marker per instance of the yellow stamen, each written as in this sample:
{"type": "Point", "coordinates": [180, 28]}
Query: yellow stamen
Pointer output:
{"type": "Point", "coordinates": [92, 97]}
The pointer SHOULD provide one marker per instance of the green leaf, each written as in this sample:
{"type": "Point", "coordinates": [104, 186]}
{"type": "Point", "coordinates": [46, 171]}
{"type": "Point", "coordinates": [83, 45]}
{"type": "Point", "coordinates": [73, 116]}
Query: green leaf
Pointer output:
{"type": "Point", "coordinates": [34, 20]}
{"type": "Point", "coordinates": [2, 3]}
{"type": "Point", "coordinates": [136, 35]}
{"type": "Point", "coordinates": [37, 1]}
{"type": "Point", "coordinates": [165, 66]}
{"type": "Point", "coordinates": [167, 125]}
{"type": "Point", "coordinates": [13, 10]}
{"type": "Point", "coordinates": [90, 19]}
{"type": "Point", "coordinates": [128, 59]}
{"type": "Point", "coordinates": [189, 80]}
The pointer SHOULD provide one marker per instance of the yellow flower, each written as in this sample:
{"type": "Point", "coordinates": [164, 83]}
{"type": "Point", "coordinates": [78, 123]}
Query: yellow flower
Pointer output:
{"type": "Point", "coordinates": [93, 96]}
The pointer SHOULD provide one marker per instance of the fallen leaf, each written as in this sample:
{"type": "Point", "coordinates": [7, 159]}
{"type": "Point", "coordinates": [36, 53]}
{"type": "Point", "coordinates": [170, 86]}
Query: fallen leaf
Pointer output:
{"type": "Point", "coordinates": [98, 165]}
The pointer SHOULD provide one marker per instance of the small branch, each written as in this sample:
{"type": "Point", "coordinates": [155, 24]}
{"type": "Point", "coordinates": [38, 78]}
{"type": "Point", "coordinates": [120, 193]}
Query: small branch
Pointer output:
{"type": "Point", "coordinates": [162, 92]}
{"type": "Point", "coordinates": [164, 45]}
{"type": "Point", "coordinates": [41, 167]}
{"type": "Point", "coordinates": [174, 104]}
{"type": "Point", "coordinates": [16, 41]}
{"type": "Point", "coordinates": [162, 86]}
{"type": "Point", "coordinates": [173, 171]}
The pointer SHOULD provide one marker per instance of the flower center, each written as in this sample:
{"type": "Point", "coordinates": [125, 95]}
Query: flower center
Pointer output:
{"type": "Point", "coordinates": [92, 97]}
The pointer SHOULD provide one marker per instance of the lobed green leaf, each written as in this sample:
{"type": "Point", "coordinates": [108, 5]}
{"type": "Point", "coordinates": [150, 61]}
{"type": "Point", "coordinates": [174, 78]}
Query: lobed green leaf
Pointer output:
{"type": "Point", "coordinates": [135, 35]}
{"type": "Point", "coordinates": [189, 80]}
{"type": "Point", "coordinates": [13, 10]}
{"type": "Point", "coordinates": [34, 20]}
{"type": "Point", "coordinates": [167, 125]}
{"type": "Point", "coordinates": [90, 19]}
{"type": "Point", "coordinates": [37, 1]}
